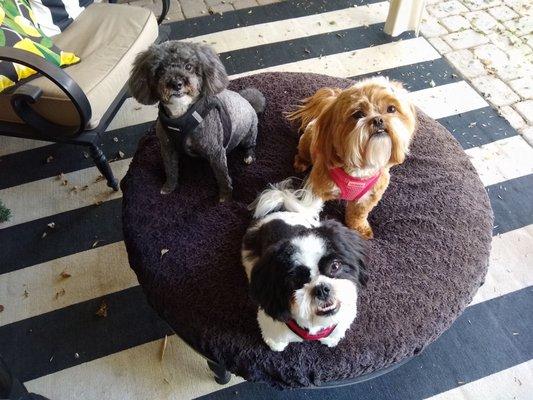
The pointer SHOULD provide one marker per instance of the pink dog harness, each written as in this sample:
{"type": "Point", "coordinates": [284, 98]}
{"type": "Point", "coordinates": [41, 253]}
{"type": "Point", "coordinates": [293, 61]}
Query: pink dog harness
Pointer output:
{"type": "Point", "coordinates": [352, 189]}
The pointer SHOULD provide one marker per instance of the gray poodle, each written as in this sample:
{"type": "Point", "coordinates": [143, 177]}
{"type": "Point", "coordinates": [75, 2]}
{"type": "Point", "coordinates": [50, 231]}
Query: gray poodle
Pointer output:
{"type": "Point", "coordinates": [198, 116]}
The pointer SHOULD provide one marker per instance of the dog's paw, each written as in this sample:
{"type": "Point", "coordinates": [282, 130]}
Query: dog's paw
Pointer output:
{"type": "Point", "coordinates": [364, 230]}
{"type": "Point", "coordinates": [167, 190]}
{"type": "Point", "coordinates": [361, 226]}
{"type": "Point", "coordinates": [225, 197]}
{"type": "Point", "coordinates": [276, 346]}
{"type": "Point", "coordinates": [330, 342]}
{"type": "Point", "coordinates": [249, 155]}
{"type": "Point", "coordinates": [300, 165]}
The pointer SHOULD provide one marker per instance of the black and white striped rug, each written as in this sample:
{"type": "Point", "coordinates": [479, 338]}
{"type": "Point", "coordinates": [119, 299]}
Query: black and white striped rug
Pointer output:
{"type": "Point", "coordinates": [62, 256]}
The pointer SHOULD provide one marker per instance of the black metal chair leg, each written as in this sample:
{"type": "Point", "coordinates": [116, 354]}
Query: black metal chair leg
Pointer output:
{"type": "Point", "coordinates": [222, 376]}
{"type": "Point", "coordinates": [103, 166]}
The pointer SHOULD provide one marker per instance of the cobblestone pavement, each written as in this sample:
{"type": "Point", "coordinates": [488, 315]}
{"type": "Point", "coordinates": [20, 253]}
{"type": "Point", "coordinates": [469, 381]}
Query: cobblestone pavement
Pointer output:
{"type": "Point", "coordinates": [490, 42]}
{"type": "Point", "coordinates": [182, 9]}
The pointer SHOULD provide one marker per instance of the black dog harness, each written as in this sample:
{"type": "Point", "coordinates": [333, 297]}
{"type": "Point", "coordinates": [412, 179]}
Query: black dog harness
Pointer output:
{"type": "Point", "coordinates": [188, 122]}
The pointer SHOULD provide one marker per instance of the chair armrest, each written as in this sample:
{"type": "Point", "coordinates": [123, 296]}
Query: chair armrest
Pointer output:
{"type": "Point", "coordinates": [164, 11]}
{"type": "Point", "coordinates": [27, 93]}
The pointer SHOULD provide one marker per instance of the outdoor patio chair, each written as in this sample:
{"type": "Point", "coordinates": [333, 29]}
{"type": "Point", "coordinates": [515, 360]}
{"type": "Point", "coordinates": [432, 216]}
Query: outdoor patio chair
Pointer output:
{"type": "Point", "coordinates": [76, 104]}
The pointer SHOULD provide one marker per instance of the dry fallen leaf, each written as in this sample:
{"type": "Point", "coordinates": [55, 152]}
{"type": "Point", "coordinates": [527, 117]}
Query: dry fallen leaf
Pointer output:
{"type": "Point", "coordinates": [51, 225]}
{"type": "Point", "coordinates": [163, 252]}
{"type": "Point", "coordinates": [43, 235]}
{"type": "Point", "coordinates": [1, 308]}
{"type": "Point", "coordinates": [65, 275]}
{"type": "Point", "coordinates": [163, 348]}
{"type": "Point", "coordinates": [99, 178]}
{"type": "Point", "coordinates": [49, 159]}
{"type": "Point", "coordinates": [64, 183]}
{"type": "Point", "coordinates": [85, 154]}
{"type": "Point", "coordinates": [96, 242]}
{"type": "Point", "coordinates": [98, 202]}
{"type": "Point", "coordinates": [60, 293]}
{"type": "Point", "coordinates": [120, 154]}
{"type": "Point", "coordinates": [102, 310]}
{"type": "Point", "coordinates": [26, 294]}
{"type": "Point", "coordinates": [115, 139]}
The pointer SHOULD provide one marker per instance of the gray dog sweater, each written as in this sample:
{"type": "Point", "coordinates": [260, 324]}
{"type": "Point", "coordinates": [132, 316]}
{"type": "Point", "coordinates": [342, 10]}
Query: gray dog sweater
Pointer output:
{"type": "Point", "coordinates": [194, 116]}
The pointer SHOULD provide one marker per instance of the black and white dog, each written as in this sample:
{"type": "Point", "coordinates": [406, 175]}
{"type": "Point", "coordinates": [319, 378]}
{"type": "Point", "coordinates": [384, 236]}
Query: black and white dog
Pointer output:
{"type": "Point", "coordinates": [304, 274]}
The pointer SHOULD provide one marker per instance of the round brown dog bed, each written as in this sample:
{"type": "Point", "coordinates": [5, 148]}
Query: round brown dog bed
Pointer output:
{"type": "Point", "coordinates": [430, 253]}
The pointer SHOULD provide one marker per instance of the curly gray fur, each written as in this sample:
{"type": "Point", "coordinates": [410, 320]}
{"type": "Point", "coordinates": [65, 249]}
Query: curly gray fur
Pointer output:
{"type": "Point", "coordinates": [178, 74]}
{"type": "Point", "coordinates": [255, 98]}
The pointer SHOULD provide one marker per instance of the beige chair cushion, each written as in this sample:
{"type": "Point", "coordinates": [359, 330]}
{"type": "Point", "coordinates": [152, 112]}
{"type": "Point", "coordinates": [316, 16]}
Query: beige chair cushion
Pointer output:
{"type": "Point", "coordinates": [106, 37]}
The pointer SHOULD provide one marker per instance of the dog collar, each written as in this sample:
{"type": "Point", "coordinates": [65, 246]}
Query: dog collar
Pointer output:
{"type": "Point", "coordinates": [194, 116]}
{"type": "Point", "coordinates": [304, 333]}
{"type": "Point", "coordinates": [352, 188]}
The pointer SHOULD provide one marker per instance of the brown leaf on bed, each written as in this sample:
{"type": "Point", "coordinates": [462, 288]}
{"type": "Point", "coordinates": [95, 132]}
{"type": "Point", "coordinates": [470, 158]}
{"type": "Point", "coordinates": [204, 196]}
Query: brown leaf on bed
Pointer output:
{"type": "Point", "coordinates": [102, 310]}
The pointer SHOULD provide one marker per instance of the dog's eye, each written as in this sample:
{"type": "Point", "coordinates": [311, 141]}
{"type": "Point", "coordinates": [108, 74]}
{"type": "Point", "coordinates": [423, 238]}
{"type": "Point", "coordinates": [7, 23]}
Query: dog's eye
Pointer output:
{"type": "Point", "coordinates": [359, 114]}
{"type": "Point", "coordinates": [188, 67]}
{"type": "Point", "coordinates": [335, 266]}
{"type": "Point", "coordinates": [391, 109]}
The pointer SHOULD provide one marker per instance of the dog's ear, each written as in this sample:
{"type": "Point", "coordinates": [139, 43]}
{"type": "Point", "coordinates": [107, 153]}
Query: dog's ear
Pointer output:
{"type": "Point", "coordinates": [214, 76]}
{"type": "Point", "coordinates": [350, 247]}
{"type": "Point", "coordinates": [274, 279]}
{"type": "Point", "coordinates": [142, 82]}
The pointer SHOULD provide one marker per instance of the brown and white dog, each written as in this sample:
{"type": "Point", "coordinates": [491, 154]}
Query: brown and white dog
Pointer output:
{"type": "Point", "coordinates": [352, 137]}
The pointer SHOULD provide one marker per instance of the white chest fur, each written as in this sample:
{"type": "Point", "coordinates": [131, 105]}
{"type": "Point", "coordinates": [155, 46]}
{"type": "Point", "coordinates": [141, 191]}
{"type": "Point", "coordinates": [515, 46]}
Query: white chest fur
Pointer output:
{"type": "Point", "coordinates": [177, 106]}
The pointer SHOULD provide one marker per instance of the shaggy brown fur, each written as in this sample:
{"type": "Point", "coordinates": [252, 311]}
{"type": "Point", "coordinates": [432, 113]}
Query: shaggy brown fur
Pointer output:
{"type": "Point", "coordinates": [340, 129]}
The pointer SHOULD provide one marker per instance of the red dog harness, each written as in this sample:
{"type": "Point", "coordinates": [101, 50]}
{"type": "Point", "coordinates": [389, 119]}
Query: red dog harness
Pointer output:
{"type": "Point", "coordinates": [304, 333]}
{"type": "Point", "coordinates": [352, 189]}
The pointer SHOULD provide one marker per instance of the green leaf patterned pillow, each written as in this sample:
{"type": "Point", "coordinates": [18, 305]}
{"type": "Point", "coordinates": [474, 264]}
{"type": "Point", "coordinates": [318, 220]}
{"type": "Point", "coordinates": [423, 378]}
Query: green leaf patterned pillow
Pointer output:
{"type": "Point", "coordinates": [19, 29]}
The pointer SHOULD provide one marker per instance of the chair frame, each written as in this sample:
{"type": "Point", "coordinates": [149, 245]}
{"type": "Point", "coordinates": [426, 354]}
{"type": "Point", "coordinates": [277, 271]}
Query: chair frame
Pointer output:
{"type": "Point", "coordinates": [37, 127]}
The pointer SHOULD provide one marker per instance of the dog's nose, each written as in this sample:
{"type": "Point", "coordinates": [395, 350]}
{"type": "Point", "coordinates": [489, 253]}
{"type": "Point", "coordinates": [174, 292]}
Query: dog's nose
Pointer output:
{"type": "Point", "coordinates": [322, 291]}
{"type": "Point", "coordinates": [377, 122]}
{"type": "Point", "coordinates": [178, 85]}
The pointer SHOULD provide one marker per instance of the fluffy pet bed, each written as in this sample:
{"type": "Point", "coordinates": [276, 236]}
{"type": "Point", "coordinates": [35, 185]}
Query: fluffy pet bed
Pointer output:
{"type": "Point", "coordinates": [429, 256]}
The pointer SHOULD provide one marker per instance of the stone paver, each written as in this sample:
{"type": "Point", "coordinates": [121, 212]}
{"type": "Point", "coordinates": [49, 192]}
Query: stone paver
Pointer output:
{"type": "Point", "coordinates": [193, 8]}
{"type": "Point", "coordinates": [475, 5]}
{"type": "Point", "coordinates": [523, 87]}
{"type": "Point", "coordinates": [521, 26]}
{"type": "Point", "coordinates": [527, 134]}
{"type": "Point", "coordinates": [511, 115]}
{"type": "Point", "coordinates": [216, 6]}
{"type": "Point", "coordinates": [502, 13]}
{"type": "Point", "coordinates": [240, 4]}
{"type": "Point", "coordinates": [430, 27]}
{"type": "Point", "coordinates": [181, 9]}
{"type": "Point", "coordinates": [446, 8]}
{"type": "Point", "coordinates": [440, 45]}
{"type": "Point", "coordinates": [525, 108]}
{"type": "Point", "coordinates": [495, 91]}
{"type": "Point", "coordinates": [522, 7]}
{"type": "Point", "coordinates": [466, 63]}
{"type": "Point", "coordinates": [490, 42]}
{"type": "Point", "coordinates": [465, 39]}
{"type": "Point", "coordinates": [455, 23]}
{"type": "Point", "coordinates": [482, 21]}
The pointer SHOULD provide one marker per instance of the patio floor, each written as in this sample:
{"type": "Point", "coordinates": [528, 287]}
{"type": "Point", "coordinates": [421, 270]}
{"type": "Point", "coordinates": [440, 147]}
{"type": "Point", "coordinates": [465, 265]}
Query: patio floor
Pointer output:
{"type": "Point", "coordinates": [63, 260]}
